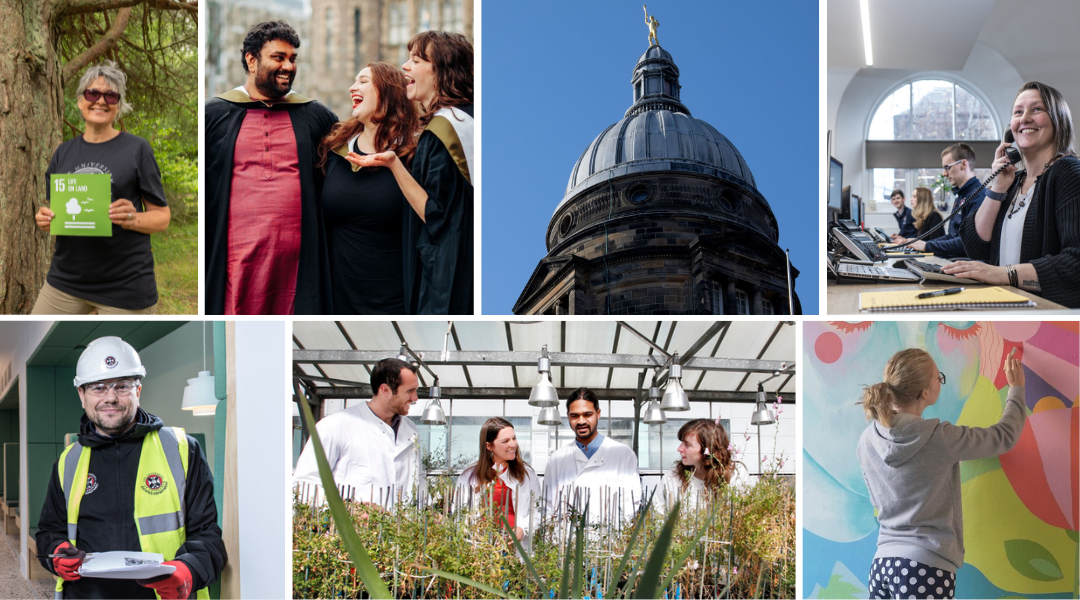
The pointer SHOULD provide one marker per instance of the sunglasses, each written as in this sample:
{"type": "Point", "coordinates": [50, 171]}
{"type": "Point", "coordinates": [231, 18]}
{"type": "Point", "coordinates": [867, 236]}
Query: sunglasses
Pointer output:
{"type": "Point", "coordinates": [93, 95]}
{"type": "Point", "coordinates": [941, 377]}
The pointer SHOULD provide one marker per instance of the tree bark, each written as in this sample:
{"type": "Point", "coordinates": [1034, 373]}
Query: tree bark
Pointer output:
{"type": "Point", "coordinates": [31, 107]}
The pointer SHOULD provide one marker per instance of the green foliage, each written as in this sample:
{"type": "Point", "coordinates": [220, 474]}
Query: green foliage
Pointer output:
{"type": "Point", "coordinates": [176, 271]}
{"type": "Point", "coordinates": [476, 546]}
{"type": "Point", "coordinates": [159, 53]}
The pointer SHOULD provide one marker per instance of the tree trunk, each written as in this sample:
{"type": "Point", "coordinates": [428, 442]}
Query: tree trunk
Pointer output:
{"type": "Point", "coordinates": [31, 106]}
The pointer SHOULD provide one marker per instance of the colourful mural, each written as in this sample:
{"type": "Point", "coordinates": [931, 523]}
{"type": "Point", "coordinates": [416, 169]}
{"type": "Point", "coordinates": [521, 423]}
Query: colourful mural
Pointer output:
{"type": "Point", "coordinates": [1021, 510]}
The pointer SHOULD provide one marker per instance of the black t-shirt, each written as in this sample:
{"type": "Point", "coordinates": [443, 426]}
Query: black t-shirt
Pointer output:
{"type": "Point", "coordinates": [116, 271]}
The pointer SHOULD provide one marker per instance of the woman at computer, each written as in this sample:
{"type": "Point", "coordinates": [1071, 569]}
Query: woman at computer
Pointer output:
{"type": "Point", "coordinates": [1027, 232]}
{"type": "Point", "coordinates": [925, 214]}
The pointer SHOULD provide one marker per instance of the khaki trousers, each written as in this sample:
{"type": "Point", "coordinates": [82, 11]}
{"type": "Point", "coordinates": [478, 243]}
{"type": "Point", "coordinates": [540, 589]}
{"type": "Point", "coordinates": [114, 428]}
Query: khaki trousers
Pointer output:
{"type": "Point", "coordinates": [51, 301]}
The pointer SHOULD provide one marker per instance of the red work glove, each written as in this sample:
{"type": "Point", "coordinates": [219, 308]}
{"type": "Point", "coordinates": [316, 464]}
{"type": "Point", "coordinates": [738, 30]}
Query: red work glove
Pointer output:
{"type": "Point", "coordinates": [68, 566]}
{"type": "Point", "coordinates": [171, 587]}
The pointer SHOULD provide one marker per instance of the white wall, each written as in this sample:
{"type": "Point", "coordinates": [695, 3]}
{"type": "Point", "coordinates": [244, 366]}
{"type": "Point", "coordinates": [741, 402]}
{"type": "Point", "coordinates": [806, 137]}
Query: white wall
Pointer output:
{"type": "Point", "coordinates": [169, 363]}
{"type": "Point", "coordinates": [986, 72]}
{"type": "Point", "coordinates": [30, 334]}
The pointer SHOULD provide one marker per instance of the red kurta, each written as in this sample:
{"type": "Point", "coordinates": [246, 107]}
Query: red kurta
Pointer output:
{"type": "Point", "coordinates": [264, 217]}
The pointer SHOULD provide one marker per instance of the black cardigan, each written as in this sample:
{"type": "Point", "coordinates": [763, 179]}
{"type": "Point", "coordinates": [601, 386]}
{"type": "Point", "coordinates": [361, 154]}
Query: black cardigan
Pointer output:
{"type": "Point", "coordinates": [931, 220]}
{"type": "Point", "coordinates": [1051, 237]}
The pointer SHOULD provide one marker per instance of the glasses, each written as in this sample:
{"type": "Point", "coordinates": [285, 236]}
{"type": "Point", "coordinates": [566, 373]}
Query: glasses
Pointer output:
{"type": "Point", "coordinates": [941, 377]}
{"type": "Point", "coordinates": [123, 388]}
{"type": "Point", "coordinates": [93, 95]}
{"type": "Point", "coordinates": [946, 167]}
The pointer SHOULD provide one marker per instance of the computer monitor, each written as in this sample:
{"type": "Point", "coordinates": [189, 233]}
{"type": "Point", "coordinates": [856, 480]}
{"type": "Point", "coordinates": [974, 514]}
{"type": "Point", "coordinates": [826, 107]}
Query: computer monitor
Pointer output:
{"type": "Point", "coordinates": [845, 202]}
{"type": "Point", "coordinates": [856, 209]}
{"type": "Point", "coordinates": [836, 179]}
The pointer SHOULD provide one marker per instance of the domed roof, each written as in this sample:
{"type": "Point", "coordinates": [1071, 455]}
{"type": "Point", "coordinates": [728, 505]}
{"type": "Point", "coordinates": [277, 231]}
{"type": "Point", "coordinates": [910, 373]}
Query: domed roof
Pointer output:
{"type": "Point", "coordinates": [657, 134]}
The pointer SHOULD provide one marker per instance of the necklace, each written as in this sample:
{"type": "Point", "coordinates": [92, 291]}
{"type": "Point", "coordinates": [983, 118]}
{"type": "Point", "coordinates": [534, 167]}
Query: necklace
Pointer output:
{"type": "Point", "coordinates": [1013, 206]}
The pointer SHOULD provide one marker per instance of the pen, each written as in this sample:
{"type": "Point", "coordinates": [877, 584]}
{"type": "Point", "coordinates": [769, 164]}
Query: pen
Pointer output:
{"type": "Point", "coordinates": [945, 292]}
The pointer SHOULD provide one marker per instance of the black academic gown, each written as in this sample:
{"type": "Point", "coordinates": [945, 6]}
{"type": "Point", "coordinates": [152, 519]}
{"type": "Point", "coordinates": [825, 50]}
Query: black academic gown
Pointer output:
{"type": "Point", "coordinates": [438, 260]}
{"type": "Point", "coordinates": [311, 121]}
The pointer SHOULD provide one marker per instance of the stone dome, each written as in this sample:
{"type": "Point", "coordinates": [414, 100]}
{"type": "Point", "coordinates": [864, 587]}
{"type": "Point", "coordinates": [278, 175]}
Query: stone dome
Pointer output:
{"type": "Point", "coordinates": [657, 134]}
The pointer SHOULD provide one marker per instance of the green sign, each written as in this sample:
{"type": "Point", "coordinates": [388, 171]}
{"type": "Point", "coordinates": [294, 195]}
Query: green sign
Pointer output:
{"type": "Point", "coordinates": [80, 204]}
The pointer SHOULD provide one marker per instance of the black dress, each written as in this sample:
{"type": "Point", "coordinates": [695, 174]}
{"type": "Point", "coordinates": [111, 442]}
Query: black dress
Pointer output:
{"type": "Point", "coordinates": [364, 212]}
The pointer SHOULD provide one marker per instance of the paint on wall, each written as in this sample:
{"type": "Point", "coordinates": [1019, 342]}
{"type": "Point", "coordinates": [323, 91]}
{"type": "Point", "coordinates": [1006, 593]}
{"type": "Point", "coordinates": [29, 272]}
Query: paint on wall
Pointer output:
{"type": "Point", "coordinates": [1021, 510]}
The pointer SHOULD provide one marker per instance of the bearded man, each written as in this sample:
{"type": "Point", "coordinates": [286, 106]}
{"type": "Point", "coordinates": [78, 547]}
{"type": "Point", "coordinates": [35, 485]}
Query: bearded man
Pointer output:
{"type": "Point", "coordinates": [128, 484]}
{"type": "Point", "coordinates": [265, 251]}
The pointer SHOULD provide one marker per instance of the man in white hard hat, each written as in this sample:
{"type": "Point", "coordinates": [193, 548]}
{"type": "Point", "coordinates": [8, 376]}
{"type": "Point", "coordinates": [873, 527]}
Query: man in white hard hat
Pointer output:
{"type": "Point", "coordinates": [147, 489]}
{"type": "Point", "coordinates": [372, 447]}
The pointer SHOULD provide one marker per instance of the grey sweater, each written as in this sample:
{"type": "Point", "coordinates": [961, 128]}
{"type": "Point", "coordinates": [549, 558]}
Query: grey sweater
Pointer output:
{"type": "Point", "coordinates": [912, 471]}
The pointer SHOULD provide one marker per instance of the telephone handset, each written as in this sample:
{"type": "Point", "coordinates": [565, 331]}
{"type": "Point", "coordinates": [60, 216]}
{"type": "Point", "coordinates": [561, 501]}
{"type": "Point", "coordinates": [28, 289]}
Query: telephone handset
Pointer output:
{"type": "Point", "coordinates": [1012, 153]}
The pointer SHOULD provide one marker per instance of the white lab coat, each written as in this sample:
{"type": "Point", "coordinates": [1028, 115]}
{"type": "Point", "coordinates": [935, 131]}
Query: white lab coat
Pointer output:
{"type": "Point", "coordinates": [670, 490]}
{"type": "Point", "coordinates": [365, 455]}
{"type": "Point", "coordinates": [526, 495]}
{"type": "Point", "coordinates": [609, 481]}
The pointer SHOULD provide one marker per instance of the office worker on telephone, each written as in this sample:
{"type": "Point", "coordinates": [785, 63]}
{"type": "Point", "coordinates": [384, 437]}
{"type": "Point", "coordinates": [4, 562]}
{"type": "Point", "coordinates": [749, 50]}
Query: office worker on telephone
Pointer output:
{"type": "Point", "coordinates": [1027, 231]}
{"type": "Point", "coordinates": [958, 166]}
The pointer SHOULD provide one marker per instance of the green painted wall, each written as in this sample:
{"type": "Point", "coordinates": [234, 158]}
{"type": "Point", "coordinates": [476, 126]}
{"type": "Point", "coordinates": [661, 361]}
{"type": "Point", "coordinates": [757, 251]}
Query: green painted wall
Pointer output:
{"type": "Point", "coordinates": [52, 410]}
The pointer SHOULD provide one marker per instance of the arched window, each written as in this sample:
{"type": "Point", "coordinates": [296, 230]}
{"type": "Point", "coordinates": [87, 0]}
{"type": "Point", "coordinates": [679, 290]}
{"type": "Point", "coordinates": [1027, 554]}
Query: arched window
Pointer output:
{"type": "Point", "coordinates": [908, 131]}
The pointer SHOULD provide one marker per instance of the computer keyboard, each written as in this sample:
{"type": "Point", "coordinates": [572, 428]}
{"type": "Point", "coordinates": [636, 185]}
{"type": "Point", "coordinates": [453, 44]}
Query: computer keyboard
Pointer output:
{"type": "Point", "coordinates": [932, 268]}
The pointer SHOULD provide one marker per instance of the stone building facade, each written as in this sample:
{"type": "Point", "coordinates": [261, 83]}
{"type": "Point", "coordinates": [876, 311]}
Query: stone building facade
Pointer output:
{"type": "Point", "coordinates": [230, 20]}
{"type": "Point", "coordinates": [661, 216]}
{"type": "Point", "coordinates": [337, 38]}
{"type": "Point", "coordinates": [347, 34]}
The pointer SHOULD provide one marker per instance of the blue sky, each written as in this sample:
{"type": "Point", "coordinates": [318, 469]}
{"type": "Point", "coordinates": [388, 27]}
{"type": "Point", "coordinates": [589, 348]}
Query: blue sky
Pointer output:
{"type": "Point", "coordinates": [555, 74]}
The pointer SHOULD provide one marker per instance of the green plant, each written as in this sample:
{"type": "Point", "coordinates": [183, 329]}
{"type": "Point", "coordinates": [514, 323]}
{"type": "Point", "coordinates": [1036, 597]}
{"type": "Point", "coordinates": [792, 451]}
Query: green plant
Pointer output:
{"type": "Point", "coordinates": [738, 542]}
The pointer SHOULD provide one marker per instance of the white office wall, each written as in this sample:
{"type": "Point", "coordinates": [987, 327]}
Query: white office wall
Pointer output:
{"type": "Point", "coordinates": [986, 73]}
{"type": "Point", "coordinates": [169, 363]}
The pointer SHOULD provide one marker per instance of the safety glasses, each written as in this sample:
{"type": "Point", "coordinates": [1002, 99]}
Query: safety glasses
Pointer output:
{"type": "Point", "coordinates": [93, 96]}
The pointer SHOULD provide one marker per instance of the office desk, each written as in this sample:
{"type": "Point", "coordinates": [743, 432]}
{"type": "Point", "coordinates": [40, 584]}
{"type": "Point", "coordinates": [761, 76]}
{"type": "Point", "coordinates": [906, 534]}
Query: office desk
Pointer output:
{"type": "Point", "coordinates": [843, 298]}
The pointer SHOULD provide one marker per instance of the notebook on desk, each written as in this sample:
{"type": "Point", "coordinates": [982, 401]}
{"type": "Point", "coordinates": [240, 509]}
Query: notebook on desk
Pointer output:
{"type": "Point", "coordinates": [975, 298]}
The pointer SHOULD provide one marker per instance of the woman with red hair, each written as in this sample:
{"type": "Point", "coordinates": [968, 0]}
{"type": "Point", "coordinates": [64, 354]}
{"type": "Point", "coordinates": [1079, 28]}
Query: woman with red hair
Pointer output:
{"type": "Point", "coordinates": [364, 208]}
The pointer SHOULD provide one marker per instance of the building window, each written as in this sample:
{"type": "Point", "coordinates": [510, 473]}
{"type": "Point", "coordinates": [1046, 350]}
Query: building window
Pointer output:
{"type": "Point", "coordinates": [399, 29]}
{"type": "Point", "coordinates": [927, 109]}
{"type": "Point", "coordinates": [329, 38]}
{"type": "Point", "coordinates": [452, 16]}
{"type": "Point", "coordinates": [426, 13]}
{"type": "Point", "coordinates": [932, 109]}
{"type": "Point", "coordinates": [716, 294]}
{"type": "Point", "coordinates": [356, 40]}
{"type": "Point", "coordinates": [767, 307]}
{"type": "Point", "coordinates": [742, 303]}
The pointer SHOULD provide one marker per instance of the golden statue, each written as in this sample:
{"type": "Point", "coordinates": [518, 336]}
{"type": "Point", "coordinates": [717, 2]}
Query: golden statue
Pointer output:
{"type": "Point", "coordinates": [653, 24]}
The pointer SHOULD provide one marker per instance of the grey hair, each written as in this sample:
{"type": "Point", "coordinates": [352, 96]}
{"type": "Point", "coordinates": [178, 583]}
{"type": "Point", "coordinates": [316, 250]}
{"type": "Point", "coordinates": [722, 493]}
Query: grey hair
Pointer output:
{"type": "Point", "coordinates": [112, 74]}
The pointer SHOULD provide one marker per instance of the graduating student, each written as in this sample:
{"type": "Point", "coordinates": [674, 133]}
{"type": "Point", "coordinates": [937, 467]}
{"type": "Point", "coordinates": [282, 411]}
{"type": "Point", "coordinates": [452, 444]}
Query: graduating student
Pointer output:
{"type": "Point", "coordinates": [439, 183]}
{"type": "Point", "coordinates": [265, 250]}
{"type": "Point", "coordinates": [364, 207]}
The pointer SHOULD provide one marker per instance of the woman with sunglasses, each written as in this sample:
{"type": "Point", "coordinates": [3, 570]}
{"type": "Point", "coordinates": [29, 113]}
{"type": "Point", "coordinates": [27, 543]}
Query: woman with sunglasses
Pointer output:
{"type": "Point", "coordinates": [911, 467]}
{"type": "Point", "coordinates": [114, 275]}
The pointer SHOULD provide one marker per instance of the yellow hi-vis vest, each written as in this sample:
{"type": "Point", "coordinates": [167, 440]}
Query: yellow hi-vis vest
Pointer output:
{"type": "Point", "coordinates": [159, 489]}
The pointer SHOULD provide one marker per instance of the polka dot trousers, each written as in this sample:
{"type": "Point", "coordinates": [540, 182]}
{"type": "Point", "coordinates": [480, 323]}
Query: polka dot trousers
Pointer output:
{"type": "Point", "coordinates": [904, 578]}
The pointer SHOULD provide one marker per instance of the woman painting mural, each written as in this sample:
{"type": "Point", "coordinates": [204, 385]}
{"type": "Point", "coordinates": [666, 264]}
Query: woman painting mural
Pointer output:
{"type": "Point", "coordinates": [912, 470]}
